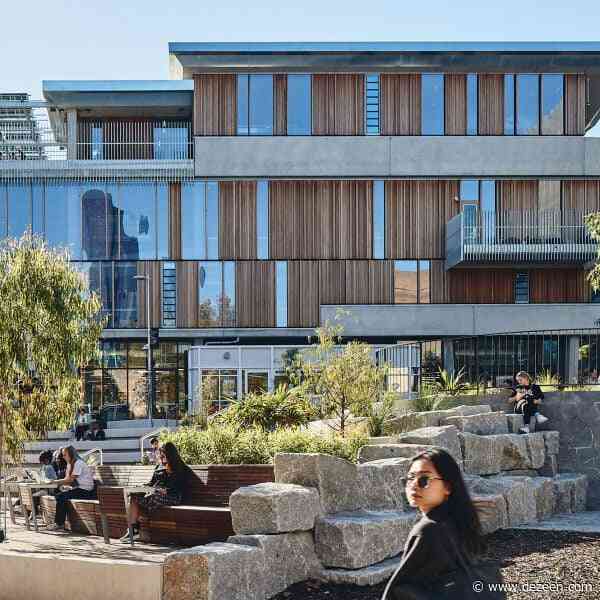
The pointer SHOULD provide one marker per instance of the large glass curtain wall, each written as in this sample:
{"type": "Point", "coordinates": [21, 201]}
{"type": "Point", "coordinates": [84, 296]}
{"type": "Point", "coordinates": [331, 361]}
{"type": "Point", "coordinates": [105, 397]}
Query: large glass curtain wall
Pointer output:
{"type": "Point", "coordinates": [117, 383]}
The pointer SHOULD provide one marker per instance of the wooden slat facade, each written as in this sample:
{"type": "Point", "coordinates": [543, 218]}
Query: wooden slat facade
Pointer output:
{"type": "Point", "coordinates": [237, 220]}
{"type": "Point", "coordinates": [320, 219]}
{"type": "Point", "coordinates": [187, 294]}
{"type": "Point", "coordinates": [369, 282]}
{"type": "Point", "coordinates": [338, 103]}
{"type": "Point", "coordinates": [400, 104]}
{"type": "Point", "coordinates": [175, 221]}
{"type": "Point", "coordinates": [581, 195]}
{"type": "Point", "coordinates": [332, 281]}
{"type": "Point", "coordinates": [122, 138]}
{"type": "Point", "coordinates": [517, 195]}
{"type": "Point", "coordinates": [481, 286]}
{"type": "Point", "coordinates": [151, 268]}
{"type": "Point", "coordinates": [280, 104]}
{"type": "Point", "coordinates": [557, 286]}
{"type": "Point", "coordinates": [303, 293]}
{"type": "Point", "coordinates": [491, 104]}
{"type": "Point", "coordinates": [416, 216]}
{"type": "Point", "coordinates": [255, 293]}
{"type": "Point", "coordinates": [439, 285]}
{"type": "Point", "coordinates": [215, 101]}
{"type": "Point", "coordinates": [455, 100]}
{"type": "Point", "coordinates": [575, 104]}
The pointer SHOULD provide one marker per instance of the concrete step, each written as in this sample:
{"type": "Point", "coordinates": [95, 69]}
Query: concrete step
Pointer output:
{"type": "Point", "coordinates": [109, 458]}
{"type": "Point", "coordinates": [144, 423]}
{"type": "Point", "coordinates": [117, 444]}
{"type": "Point", "coordinates": [129, 432]}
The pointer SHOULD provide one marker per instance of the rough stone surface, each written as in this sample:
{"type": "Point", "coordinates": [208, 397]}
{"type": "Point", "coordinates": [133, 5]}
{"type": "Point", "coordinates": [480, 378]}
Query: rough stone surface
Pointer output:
{"type": "Point", "coordinates": [366, 576]}
{"type": "Point", "coordinates": [288, 559]}
{"type": "Point", "coordinates": [273, 508]}
{"type": "Point", "coordinates": [571, 492]}
{"type": "Point", "coordinates": [380, 451]}
{"type": "Point", "coordinates": [384, 439]}
{"type": "Point", "coordinates": [362, 538]}
{"type": "Point", "coordinates": [550, 466]}
{"type": "Point", "coordinates": [205, 572]}
{"type": "Point", "coordinates": [335, 479]}
{"type": "Point", "coordinates": [513, 451]}
{"type": "Point", "coordinates": [471, 409]}
{"type": "Point", "coordinates": [545, 497]}
{"type": "Point", "coordinates": [444, 437]}
{"type": "Point", "coordinates": [551, 441]}
{"type": "Point", "coordinates": [492, 512]}
{"type": "Point", "coordinates": [521, 473]}
{"type": "Point", "coordinates": [481, 455]}
{"type": "Point", "coordinates": [381, 483]}
{"type": "Point", "coordinates": [536, 449]}
{"type": "Point", "coordinates": [490, 423]}
{"type": "Point", "coordinates": [433, 418]}
{"type": "Point", "coordinates": [514, 422]}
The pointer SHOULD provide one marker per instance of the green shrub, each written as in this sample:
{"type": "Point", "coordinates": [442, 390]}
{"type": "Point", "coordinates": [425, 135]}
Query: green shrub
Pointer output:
{"type": "Point", "coordinates": [225, 444]}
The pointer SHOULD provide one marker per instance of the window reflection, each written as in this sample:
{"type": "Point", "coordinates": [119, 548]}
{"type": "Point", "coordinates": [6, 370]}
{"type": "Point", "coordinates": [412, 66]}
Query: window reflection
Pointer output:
{"type": "Point", "coordinates": [424, 282]}
{"type": "Point", "coordinates": [228, 305]}
{"type": "Point", "coordinates": [527, 88]}
{"type": "Point", "coordinates": [472, 110]}
{"type": "Point", "coordinates": [209, 293]}
{"type": "Point", "coordinates": [405, 282]}
{"type": "Point", "coordinates": [299, 105]}
{"type": "Point", "coordinates": [125, 294]}
{"type": "Point", "coordinates": [37, 225]}
{"type": "Point", "coordinates": [281, 299]}
{"type": "Point", "coordinates": [63, 217]}
{"type": "Point", "coordinates": [200, 220]}
{"type": "Point", "coordinates": [242, 104]}
{"type": "Point", "coordinates": [262, 220]}
{"type": "Point", "coordinates": [255, 104]}
{"type": "Point", "coordinates": [432, 104]}
{"type": "Point", "coordinates": [509, 104]}
{"type": "Point", "coordinates": [137, 225]}
{"type": "Point", "coordinates": [170, 143]}
{"type": "Point", "coordinates": [19, 209]}
{"type": "Point", "coordinates": [162, 220]}
{"type": "Point", "coordinates": [378, 219]}
{"type": "Point", "coordinates": [552, 104]}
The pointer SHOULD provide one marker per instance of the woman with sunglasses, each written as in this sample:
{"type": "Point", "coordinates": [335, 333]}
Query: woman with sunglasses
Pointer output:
{"type": "Point", "coordinates": [438, 554]}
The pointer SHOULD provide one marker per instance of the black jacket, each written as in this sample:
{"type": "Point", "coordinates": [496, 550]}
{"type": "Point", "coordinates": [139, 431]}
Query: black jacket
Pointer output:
{"type": "Point", "coordinates": [428, 552]}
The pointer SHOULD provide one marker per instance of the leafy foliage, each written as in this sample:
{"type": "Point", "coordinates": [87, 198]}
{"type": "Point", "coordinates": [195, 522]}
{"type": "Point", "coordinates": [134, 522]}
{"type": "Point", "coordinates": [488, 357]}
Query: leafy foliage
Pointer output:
{"type": "Point", "coordinates": [49, 328]}
{"type": "Point", "coordinates": [379, 413]}
{"type": "Point", "coordinates": [226, 444]}
{"type": "Point", "coordinates": [451, 384]}
{"type": "Point", "coordinates": [592, 222]}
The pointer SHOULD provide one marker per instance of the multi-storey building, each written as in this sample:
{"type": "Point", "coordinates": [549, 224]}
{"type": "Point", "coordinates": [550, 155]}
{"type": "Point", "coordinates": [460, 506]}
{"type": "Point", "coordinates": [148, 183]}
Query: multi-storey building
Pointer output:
{"type": "Point", "coordinates": [21, 134]}
{"type": "Point", "coordinates": [431, 190]}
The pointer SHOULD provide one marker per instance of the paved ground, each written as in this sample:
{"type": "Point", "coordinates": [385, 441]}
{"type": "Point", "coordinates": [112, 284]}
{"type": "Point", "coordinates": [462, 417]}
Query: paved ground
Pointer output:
{"type": "Point", "coordinates": [585, 522]}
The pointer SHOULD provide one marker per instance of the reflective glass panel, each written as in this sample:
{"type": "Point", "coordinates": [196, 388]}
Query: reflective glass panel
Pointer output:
{"type": "Point", "coordinates": [63, 217]}
{"type": "Point", "coordinates": [509, 104]}
{"type": "Point", "coordinates": [193, 220]}
{"type": "Point", "coordinates": [162, 220]}
{"type": "Point", "coordinates": [469, 189]}
{"type": "Point", "coordinates": [126, 296]}
{"type": "Point", "coordinates": [19, 209]}
{"type": "Point", "coordinates": [528, 104]}
{"type": "Point", "coordinates": [38, 194]}
{"type": "Point", "coordinates": [281, 299]}
{"type": "Point", "coordinates": [170, 143]}
{"type": "Point", "coordinates": [114, 389]}
{"type": "Point", "coordinates": [432, 104]}
{"type": "Point", "coordinates": [378, 219]}
{"type": "Point", "coordinates": [212, 220]}
{"type": "Point", "coordinates": [262, 220]}
{"type": "Point", "coordinates": [209, 293]}
{"type": "Point", "coordinates": [299, 105]}
{"type": "Point", "coordinates": [137, 357]}
{"type": "Point", "coordinates": [3, 211]}
{"type": "Point", "coordinates": [165, 356]}
{"type": "Point", "coordinates": [372, 103]}
{"type": "Point", "coordinates": [98, 215]}
{"type": "Point", "coordinates": [114, 354]}
{"type": "Point", "coordinates": [228, 317]}
{"type": "Point", "coordinates": [552, 104]}
{"type": "Point", "coordinates": [137, 204]}
{"type": "Point", "coordinates": [488, 208]}
{"type": "Point", "coordinates": [242, 104]}
{"type": "Point", "coordinates": [97, 143]}
{"type": "Point", "coordinates": [137, 388]}
{"type": "Point", "coordinates": [424, 282]}
{"type": "Point", "coordinates": [405, 281]}
{"type": "Point", "coordinates": [472, 104]}
{"type": "Point", "coordinates": [261, 104]}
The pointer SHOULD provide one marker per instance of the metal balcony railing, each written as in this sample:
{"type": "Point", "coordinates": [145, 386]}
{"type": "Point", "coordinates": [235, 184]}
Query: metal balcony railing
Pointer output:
{"type": "Point", "coordinates": [523, 237]}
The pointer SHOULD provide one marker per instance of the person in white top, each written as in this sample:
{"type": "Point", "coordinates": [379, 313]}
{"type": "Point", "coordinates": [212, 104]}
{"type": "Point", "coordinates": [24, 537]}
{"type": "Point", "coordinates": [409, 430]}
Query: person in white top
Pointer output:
{"type": "Point", "coordinates": [80, 477]}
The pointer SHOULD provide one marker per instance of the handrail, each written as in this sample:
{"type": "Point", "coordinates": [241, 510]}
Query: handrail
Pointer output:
{"type": "Point", "coordinates": [85, 455]}
{"type": "Point", "coordinates": [150, 434]}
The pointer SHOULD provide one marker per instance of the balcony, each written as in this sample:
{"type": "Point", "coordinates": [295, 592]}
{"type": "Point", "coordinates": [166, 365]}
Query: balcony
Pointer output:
{"type": "Point", "coordinates": [518, 237]}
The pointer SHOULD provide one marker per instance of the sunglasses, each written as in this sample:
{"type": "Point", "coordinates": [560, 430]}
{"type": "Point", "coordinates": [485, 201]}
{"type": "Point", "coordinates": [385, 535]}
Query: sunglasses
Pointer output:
{"type": "Point", "coordinates": [422, 480]}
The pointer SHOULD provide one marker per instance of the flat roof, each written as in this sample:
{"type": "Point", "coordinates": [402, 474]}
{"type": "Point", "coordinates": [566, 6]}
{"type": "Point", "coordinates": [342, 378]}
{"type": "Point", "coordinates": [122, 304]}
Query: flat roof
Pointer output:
{"type": "Point", "coordinates": [117, 85]}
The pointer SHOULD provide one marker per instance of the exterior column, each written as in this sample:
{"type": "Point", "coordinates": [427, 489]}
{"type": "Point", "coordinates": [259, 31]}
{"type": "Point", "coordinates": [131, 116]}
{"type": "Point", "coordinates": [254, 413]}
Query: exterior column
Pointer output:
{"type": "Point", "coordinates": [71, 134]}
{"type": "Point", "coordinates": [572, 366]}
{"type": "Point", "coordinates": [448, 356]}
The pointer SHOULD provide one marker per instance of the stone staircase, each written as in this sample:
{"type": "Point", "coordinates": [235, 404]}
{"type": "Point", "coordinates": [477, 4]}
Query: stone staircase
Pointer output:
{"type": "Point", "coordinates": [122, 444]}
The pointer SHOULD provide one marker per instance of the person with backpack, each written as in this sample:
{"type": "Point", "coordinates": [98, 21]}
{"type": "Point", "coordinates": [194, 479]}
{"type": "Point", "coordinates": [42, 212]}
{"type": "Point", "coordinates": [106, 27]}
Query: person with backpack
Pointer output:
{"type": "Point", "coordinates": [527, 396]}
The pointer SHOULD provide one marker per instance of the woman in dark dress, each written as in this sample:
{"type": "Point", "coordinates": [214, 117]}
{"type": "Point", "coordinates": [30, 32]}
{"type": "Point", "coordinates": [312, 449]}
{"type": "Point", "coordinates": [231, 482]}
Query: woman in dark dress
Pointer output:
{"type": "Point", "coordinates": [439, 553]}
{"type": "Point", "coordinates": [169, 480]}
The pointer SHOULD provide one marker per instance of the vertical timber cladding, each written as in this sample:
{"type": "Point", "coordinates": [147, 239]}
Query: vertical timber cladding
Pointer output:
{"type": "Point", "coordinates": [557, 285]}
{"type": "Point", "coordinates": [215, 104]}
{"type": "Point", "coordinates": [455, 101]}
{"type": "Point", "coordinates": [400, 102]}
{"type": "Point", "coordinates": [416, 215]}
{"type": "Point", "coordinates": [481, 286]}
{"type": "Point", "coordinates": [255, 293]}
{"type": "Point", "coordinates": [581, 195]}
{"type": "Point", "coordinates": [187, 294]}
{"type": "Point", "coordinates": [338, 104]}
{"type": "Point", "coordinates": [320, 219]}
{"type": "Point", "coordinates": [175, 221]}
{"type": "Point", "coordinates": [280, 104]}
{"type": "Point", "coordinates": [575, 85]}
{"type": "Point", "coordinates": [303, 293]}
{"type": "Point", "coordinates": [151, 268]}
{"type": "Point", "coordinates": [122, 138]}
{"type": "Point", "coordinates": [490, 104]}
{"type": "Point", "coordinates": [237, 220]}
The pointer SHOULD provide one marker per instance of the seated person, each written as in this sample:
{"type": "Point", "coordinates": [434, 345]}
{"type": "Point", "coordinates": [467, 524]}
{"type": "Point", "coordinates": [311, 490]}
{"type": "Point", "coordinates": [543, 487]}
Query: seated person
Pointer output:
{"type": "Point", "coordinates": [154, 453]}
{"type": "Point", "coordinates": [59, 464]}
{"type": "Point", "coordinates": [96, 433]}
{"type": "Point", "coordinates": [82, 423]}
{"type": "Point", "coordinates": [47, 472]}
{"type": "Point", "coordinates": [170, 481]}
{"type": "Point", "coordinates": [81, 477]}
{"type": "Point", "coordinates": [527, 397]}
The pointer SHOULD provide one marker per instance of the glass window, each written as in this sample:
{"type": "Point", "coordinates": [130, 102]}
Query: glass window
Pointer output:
{"type": "Point", "coordinates": [228, 317]}
{"type": "Point", "coordinates": [162, 220]}
{"type": "Point", "coordinates": [63, 217]}
{"type": "Point", "coordinates": [165, 356]}
{"type": "Point", "coordinates": [170, 143]}
{"type": "Point", "coordinates": [469, 190]}
{"type": "Point", "coordinates": [200, 220]}
{"type": "Point", "coordinates": [522, 288]}
{"type": "Point", "coordinates": [552, 104]}
{"type": "Point", "coordinates": [488, 208]}
{"type": "Point", "coordinates": [372, 104]}
{"type": "Point", "coordinates": [3, 211]}
{"type": "Point", "coordinates": [137, 216]}
{"type": "Point", "coordinates": [432, 104]}
{"type": "Point", "coordinates": [114, 354]}
{"type": "Point", "coordinates": [255, 104]}
{"type": "Point", "coordinates": [169, 294]}
{"type": "Point", "coordinates": [299, 105]}
{"type": "Point", "coordinates": [528, 104]}
{"type": "Point", "coordinates": [137, 357]}
{"type": "Point", "coordinates": [97, 143]}
{"type": "Point", "coordinates": [98, 214]}
{"type": "Point", "coordinates": [37, 208]}
{"type": "Point", "coordinates": [137, 388]}
{"type": "Point", "coordinates": [19, 209]}
{"type": "Point", "coordinates": [281, 293]}
{"type": "Point", "coordinates": [209, 293]}
{"type": "Point", "coordinates": [405, 282]}
{"type": "Point", "coordinates": [126, 295]}
{"type": "Point", "coordinates": [262, 219]}
{"type": "Point", "coordinates": [378, 219]}
{"type": "Point", "coordinates": [424, 282]}
{"type": "Point", "coordinates": [99, 278]}
{"type": "Point", "coordinates": [509, 104]}
{"type": "Point", "coordinates": [472, 104]}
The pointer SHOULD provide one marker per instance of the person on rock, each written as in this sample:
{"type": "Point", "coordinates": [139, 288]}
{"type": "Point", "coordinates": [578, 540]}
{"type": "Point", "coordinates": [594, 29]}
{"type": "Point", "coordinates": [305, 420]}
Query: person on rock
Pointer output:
{"type": "Point", "coordinates": [527, 396]}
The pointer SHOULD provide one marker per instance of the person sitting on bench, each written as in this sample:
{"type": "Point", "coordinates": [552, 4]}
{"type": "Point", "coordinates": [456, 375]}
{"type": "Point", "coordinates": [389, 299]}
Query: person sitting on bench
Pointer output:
{"type": "Point", "coordinates": [82, 423]}
{"type": "Point", "coordinates": [96, 433]}
{"type": "Point", "coordinates": [47, 472]}
{"type": "Point", "coordinates": [80, 477]}
{"type": "Point", "coordinates": [170, 481]}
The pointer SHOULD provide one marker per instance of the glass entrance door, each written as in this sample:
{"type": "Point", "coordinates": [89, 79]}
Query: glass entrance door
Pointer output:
{"type": "Point", "coordinates": [256, 382]}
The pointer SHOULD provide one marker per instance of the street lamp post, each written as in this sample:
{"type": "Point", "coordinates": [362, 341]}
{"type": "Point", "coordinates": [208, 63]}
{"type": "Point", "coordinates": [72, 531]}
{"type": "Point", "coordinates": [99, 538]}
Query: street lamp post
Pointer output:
{"type": "Point", "coordinates": [146, 278]}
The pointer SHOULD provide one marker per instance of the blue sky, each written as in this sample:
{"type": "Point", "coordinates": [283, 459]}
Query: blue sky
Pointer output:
{"type": "Point", "coordinates": [127, 39]}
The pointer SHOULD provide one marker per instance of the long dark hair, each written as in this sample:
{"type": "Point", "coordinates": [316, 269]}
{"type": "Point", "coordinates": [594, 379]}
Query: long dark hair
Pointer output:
{"type": "Point", "coordinates": [460, 506]}
{"type": "Point", "coordinates": [169, 449]}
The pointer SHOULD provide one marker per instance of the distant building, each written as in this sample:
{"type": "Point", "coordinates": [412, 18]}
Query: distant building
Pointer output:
{"type": "Point", "coordinates": [20, 136]}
